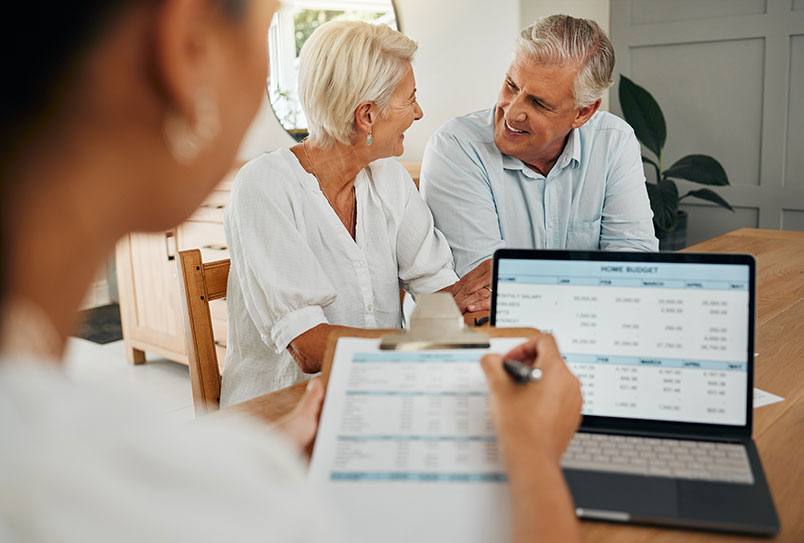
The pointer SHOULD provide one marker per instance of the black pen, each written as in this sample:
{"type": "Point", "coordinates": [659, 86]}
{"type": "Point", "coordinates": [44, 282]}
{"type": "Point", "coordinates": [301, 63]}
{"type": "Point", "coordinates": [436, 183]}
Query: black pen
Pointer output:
{"type": "Point", "coordinates": [522, 373]}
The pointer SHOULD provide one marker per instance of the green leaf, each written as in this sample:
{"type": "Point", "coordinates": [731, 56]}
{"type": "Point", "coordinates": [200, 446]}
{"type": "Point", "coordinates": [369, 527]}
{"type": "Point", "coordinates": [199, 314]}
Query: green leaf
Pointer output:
{"type": "Point", "coordinates": [701, 169]}
{"type": "Point", "coordinates": [655, 167]}
{"type": "Point", "coordinates": [664, 203]}
{"type": "Point", "coordinates": [706, 194]}
{"type": "Point", "coordinates": [643, 114]}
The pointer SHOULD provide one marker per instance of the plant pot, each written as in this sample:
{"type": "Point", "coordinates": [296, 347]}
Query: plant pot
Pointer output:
{"type": "Point", "coordinates": [673, 240]}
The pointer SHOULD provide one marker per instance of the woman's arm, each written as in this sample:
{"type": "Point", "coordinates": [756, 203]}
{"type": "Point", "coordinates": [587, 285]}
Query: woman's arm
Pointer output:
{"type": "Point", "coordinates": [534, 424]}
{"type": "Point", "coordinates": [308, 348]}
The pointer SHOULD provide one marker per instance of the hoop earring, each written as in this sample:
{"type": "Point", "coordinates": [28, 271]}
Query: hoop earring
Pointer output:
{"type": "Point", "coordinates": [186, 138]}
{"type": "Point", "coordinates": [369, 139]}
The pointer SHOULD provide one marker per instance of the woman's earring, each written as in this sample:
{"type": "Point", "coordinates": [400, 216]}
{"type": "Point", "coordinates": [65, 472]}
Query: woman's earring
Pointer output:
{"type": "Point", "coordinates": [187, 138]}
{"type": "Point", "coordinates": [369, 139]}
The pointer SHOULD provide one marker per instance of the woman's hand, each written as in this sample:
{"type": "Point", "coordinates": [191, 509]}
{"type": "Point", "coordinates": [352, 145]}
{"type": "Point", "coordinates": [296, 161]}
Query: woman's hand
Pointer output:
{"type": "Point", "coordinates": [535, 422]}
{"type": "Point", "coordinates": [301, 424]}
{"type": "Point", "coordinates": [540, 416]}
{"type": "Point", "coordinates": [473, 291]}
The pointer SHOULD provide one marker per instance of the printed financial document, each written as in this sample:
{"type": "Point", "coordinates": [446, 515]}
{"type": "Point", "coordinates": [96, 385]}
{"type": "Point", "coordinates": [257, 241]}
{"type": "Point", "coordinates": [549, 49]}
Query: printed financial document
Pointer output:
{"type": "Point", "coordinates": [406, 450]}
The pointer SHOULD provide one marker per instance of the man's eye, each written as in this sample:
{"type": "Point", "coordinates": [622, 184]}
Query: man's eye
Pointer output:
{"type": "Point", "coordinates": [511, 85]}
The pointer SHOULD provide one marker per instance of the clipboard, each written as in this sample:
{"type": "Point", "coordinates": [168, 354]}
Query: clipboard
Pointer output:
{"type": "Point", "coordinates": [403, 431]}
{"type": "Point", "coordinates": [436, 323]}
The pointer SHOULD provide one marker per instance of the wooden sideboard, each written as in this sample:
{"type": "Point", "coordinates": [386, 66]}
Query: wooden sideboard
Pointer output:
{"type": "Point", "coordinates": [147, 277]}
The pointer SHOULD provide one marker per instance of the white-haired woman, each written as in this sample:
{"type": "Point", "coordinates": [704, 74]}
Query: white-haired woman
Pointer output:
{"type": "Point", "coordinates": [323, 234]}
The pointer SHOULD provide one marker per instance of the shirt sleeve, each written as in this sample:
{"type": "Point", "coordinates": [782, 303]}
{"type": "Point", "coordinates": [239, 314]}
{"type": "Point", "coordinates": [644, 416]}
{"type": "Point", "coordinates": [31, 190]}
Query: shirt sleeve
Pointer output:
{"type": "Point", "coordinates": [423, 255]}
{"type": "Point", "coordinates": [456, 186]}
{"type": "Point", "coordinates": [627, 220]}
{"type": "Point", "coordinates": [284, 286]}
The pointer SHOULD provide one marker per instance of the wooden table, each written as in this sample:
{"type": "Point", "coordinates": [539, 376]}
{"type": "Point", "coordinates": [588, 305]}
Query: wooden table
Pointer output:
{"type": "Point", "coordinates": [778, 428]}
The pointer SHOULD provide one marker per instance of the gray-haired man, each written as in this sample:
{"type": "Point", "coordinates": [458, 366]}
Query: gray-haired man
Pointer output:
{"type": "Point", "coordinates": [543, 168]}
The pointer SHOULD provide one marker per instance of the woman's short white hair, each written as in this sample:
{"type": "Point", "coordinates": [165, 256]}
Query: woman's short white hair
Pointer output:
{"type": "Point", "coordinates": [343, 64]}
{"type": "Point", "coordinates": [561, 39]}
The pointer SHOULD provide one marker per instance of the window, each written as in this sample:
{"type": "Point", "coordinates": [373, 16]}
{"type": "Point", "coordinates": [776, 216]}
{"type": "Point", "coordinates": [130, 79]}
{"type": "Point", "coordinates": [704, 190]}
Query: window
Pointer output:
{"type": "Point", "coordinates": [292, 24]}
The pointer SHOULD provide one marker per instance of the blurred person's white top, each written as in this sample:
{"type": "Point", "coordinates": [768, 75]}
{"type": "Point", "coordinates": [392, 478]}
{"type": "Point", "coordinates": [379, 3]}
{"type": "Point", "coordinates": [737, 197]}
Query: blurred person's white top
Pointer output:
{"type": "Point", "coordinates": [294, 265]}
{"type": "Point", "coordinates": [81, 464]}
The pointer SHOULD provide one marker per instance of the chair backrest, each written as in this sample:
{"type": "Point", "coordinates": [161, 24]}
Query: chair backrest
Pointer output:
{"type": "Point", "coordinates": [200, 284]}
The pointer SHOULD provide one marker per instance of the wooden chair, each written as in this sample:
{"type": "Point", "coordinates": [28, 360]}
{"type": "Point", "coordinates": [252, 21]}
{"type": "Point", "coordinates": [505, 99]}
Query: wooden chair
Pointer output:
{"type": "Point", "coordinates": [200, 284]}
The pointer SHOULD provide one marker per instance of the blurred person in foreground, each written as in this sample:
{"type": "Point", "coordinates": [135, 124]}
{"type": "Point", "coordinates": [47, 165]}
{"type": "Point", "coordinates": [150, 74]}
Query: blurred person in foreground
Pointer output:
{"type": "Point", "coordinates": [125, 124]}
{"type": "Point", "coordinates": [324, 234]}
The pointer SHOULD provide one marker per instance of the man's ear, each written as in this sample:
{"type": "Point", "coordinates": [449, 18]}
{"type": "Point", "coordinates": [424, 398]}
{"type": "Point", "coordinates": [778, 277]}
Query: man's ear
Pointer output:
{"type": "Point", "coordinates": [365, 117]}
{"type": "Point", "coordinates": [182, 51]}
{"type": "Point", "coordinates": [585, 113]}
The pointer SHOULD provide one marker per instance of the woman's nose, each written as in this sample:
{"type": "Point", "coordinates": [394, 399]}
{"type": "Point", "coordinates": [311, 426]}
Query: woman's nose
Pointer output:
{"type": "Point", "coordinates": [418, 113]}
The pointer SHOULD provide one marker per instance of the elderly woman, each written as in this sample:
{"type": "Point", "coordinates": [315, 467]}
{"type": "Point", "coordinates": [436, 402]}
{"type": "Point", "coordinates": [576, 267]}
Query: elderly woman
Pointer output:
{"type": "Point", "coordinates": [322, 235]}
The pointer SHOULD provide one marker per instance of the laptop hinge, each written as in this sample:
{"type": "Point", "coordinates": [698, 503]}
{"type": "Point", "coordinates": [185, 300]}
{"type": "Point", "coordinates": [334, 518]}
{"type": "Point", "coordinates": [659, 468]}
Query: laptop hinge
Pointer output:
{"type": "Point", "coordinates": [700, 436]}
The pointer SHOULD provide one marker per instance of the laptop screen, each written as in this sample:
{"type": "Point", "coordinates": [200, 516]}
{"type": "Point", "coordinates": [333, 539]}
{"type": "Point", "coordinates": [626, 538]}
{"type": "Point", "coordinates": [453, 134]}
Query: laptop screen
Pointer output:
{"type": "Point", "coordinates": [648, 337]}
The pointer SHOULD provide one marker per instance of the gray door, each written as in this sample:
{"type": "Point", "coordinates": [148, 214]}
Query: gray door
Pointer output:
{"type": "Point", "coordinates": [729, 76]}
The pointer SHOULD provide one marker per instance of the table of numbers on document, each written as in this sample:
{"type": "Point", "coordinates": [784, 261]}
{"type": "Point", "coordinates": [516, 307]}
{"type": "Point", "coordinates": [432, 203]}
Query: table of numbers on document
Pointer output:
{"type": "Point", "coordinates": [416, 416]}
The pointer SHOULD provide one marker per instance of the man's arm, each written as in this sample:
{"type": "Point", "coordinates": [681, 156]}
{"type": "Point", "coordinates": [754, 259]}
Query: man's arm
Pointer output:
{"type": "Point", "coordinates": [455, 186]}
{"type": "Point", "coordinates": [627, 220]}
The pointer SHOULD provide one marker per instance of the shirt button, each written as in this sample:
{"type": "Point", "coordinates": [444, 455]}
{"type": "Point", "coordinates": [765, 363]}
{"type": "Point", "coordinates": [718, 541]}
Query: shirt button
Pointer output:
{"type": "Point", "coordinates": [549, 224]}
{"type": "Point", "coordinates": [370, 307]}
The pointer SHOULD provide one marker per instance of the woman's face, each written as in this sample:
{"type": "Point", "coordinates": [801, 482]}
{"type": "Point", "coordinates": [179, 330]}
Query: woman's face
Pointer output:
{"type": "Point", "coordinates": [242, 70]}
{"type": "Point", "coordinates": [388, 133]}
{"type": "Point", "coordinates": [236, 70]}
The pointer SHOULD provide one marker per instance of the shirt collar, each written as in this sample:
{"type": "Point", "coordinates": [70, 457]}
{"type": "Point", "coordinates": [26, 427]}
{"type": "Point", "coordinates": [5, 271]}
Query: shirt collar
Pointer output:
{"type": "Point", "coordinates": [570, 156]}
{"type": "Point", "coordinates": [572, 151]}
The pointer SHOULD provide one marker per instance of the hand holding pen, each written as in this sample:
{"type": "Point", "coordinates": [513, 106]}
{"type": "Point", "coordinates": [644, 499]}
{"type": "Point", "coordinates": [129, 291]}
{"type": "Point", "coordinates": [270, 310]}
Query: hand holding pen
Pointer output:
{"type": "Point", "coordinates": [528, 417]}
{"type": "Point", "coordinates": [534, 424]}
{"type": "Point", "coordinates": [521, 373]}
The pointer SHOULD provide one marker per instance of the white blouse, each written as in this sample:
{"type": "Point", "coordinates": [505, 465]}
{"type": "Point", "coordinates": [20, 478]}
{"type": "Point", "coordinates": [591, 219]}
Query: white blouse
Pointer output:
{"type": "Point", "coordinates": [295, 266]}
{"type": "Point", "coordinates": [82, 464]}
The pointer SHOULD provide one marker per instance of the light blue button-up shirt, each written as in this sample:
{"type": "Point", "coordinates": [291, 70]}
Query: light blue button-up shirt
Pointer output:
{"type": "Point", "coordinates": [482, 199]}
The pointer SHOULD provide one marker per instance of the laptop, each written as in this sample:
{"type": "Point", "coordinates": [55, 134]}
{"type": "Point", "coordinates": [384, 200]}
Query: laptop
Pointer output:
{"type": "Point", "coordinates": [663, 345]}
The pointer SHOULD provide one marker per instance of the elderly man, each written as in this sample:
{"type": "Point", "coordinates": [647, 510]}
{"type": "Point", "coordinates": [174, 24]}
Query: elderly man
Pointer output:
{"type": "Point", "coordinates": [543, 168]}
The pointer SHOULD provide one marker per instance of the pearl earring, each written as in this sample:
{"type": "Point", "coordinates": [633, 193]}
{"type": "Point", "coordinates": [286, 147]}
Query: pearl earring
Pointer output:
{"type": "Point", "coordinates": [186, 138]}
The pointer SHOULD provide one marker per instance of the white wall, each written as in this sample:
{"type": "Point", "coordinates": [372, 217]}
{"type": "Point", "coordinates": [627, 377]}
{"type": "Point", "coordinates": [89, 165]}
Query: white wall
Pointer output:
{"type": "Point", "coordinates": [464, 49]}
{"type": "Point", "coordinates": [597, 10]}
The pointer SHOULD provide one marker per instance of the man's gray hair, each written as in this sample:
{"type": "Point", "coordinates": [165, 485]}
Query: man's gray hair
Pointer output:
{"type": "Point", "coordinates": [561, 39]}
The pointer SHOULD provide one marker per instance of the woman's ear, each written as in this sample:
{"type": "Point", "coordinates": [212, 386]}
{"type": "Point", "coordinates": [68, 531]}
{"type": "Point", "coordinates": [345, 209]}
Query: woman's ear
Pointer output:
{"type": "Point", "coordinates": [183, 51]}
{"type": "Point", "coordinates": [365, 117]}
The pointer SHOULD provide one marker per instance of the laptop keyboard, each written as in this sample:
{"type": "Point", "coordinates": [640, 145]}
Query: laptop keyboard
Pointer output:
{"type": "Point", "coordinates": [679, 459]}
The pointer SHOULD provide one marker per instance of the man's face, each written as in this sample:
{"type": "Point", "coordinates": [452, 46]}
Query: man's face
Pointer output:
{"type": "Point", "coordinates": [536, 111]}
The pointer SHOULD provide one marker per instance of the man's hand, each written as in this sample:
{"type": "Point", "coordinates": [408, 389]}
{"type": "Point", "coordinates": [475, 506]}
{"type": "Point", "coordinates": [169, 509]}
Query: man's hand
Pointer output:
{"type": "Point", "coordinates": [473, 292]}
{"type": "Point", "coordinates": [301, 424]}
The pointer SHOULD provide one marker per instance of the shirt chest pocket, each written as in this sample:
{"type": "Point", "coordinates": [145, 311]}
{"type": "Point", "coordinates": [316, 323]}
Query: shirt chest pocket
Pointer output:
{"type": "Point", "coordinates": [584, 235]}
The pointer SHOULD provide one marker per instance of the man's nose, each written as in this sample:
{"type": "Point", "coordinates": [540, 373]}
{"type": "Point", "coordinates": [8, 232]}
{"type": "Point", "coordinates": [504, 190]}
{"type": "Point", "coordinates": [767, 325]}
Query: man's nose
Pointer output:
{"type": "Point", "coordinates": [516, 111]}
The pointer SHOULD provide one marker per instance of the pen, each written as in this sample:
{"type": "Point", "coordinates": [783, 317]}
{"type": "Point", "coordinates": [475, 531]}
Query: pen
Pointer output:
{"type": "Point", "coordinates": [521, 373]}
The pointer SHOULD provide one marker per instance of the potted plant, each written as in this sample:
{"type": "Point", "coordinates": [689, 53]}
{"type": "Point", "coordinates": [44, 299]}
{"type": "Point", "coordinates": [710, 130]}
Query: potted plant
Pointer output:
{"type": "Point", "coordinates": [645, 116]}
